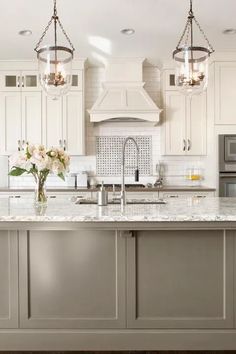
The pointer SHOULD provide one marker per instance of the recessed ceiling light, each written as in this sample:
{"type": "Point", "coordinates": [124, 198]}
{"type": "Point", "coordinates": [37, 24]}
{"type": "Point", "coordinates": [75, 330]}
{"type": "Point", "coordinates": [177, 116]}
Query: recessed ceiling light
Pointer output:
{"type": "Point", "coordinates": [128, 31]}
{"type": "Point", "coordinates": [26, 32]}
{"type": "Point", "coordinates": [229, 31]}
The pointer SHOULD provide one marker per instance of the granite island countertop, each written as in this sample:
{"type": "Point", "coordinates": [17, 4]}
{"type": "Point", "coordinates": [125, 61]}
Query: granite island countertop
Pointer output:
{"type": "Point", "coordinates": [64, 210]}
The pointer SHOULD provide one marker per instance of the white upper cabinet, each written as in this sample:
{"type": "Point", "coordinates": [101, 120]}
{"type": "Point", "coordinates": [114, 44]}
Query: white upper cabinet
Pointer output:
{"type": "Point", "coordinates": [175, 127]}
{"type": "Point", "coordinates": [185, 124]}
{"type": "Point", "coordinates": [52, 119]}
{"type": "Point", "coordinates": [32, 116]}
{"type": "Point", "coordinates": [196, 122]}
{"type": "Point", "coordinates": [64, 122]}
{"type": "Point", "coordinates": [225, 92]}
{"type": "Point", "coordinates": [28, 115]}
{"type": "Point", "coordinates": [20, 119]}
{"type": "Point", "coordinates": [73, 124]}
{"type": "Point", "coordinates": [10, 122]}
{"type": "Point", "coordinates": [185, 120]}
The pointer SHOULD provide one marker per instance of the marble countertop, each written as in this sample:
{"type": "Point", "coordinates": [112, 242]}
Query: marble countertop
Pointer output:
{"type": "Point", "coordinates": [65, 210]}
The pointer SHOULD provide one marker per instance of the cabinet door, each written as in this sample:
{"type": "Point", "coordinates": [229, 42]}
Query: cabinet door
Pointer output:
{"type": "Point", "coordinates": [52, 121]}
{"type": "Point", "coordinates": [72, 279]}
{"type": "Point", "coordinates": [32, 117]}
{"type": "Point", "coordinates": [77, 80]}
{"type": "Point", "coordinates": [196, 124]}
{"type": "Point", "coordinates": [175, 117]}
{"type": "Point", "coordinates": [10, 121]}
{"type": "Point", "coordinates": [8, 280]}
{"type": "Point", "coordinates": [169, 80]}
{"type": "Point", "coordinates": [225, 92]}
{"type": "Point", "coordinates": [29, 81]}
{"type": "Point", "coordinates": [10, 80]}
{"type": "Point", "coordinates": [180, 279]}
{"type": "Point", "coordinates": [73, 123]}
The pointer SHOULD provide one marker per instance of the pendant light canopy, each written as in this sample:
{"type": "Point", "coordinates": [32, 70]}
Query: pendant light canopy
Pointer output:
{"type": "Point", "coordinates": [55, 61]}
{"type": "Point", "coordinates": [191, 60]}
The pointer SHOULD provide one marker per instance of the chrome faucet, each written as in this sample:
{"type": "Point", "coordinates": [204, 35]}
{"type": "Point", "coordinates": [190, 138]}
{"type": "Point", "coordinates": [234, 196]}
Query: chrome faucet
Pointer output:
{"type": "Point", "coordinates": [122, 194]}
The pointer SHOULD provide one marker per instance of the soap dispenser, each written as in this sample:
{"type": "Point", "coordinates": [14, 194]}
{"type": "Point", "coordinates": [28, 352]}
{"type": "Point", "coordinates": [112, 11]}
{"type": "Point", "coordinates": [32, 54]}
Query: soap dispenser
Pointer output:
{"type": "Point", "coordinates": [102, 196]}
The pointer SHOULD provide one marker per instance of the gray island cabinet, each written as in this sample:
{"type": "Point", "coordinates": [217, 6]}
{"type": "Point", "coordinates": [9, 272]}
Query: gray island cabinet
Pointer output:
{"type": "Point", "coordinates": [146, 277]}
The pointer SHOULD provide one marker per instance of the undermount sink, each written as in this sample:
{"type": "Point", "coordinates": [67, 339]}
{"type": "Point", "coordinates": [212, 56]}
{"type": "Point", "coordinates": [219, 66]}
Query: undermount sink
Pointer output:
{"type": "Point", "coordinates": [131, 201]}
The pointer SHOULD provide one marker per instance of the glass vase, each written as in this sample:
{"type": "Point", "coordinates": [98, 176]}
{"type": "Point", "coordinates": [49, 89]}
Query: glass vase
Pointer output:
{"type": "Point", "coordinates": [40, 193]}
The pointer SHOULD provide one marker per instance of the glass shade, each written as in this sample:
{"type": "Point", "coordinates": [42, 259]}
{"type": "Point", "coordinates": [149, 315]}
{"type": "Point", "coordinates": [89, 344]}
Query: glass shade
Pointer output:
{"type": "Point", "coordinates": [191, 75]}
{"type": "Point", "coordinates": [55, 69]}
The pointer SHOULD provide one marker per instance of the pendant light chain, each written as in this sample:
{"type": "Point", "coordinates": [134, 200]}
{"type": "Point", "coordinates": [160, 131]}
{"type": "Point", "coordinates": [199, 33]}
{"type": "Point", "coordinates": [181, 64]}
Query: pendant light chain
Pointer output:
{"type": "Point", "coordinates": [55, 8]}
{"type": "Point", "coordinates": [191, 8]}
{"type": "Point", "coordinates": [65, 34]}
{"type": "Point", "coordinates": [188, 27]}
{"type": "Point", "coordinates": [204, 35]}
{"type": "Point", "coordinates": [43, 35]}
{"type": "Point", "coordinates": [182, 36]}
{"type": "Point", "coordinates": [56, 20]}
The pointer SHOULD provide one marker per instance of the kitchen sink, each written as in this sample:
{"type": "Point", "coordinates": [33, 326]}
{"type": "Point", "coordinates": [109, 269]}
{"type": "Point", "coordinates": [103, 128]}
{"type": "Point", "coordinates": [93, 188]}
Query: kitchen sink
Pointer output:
{"type": "Point", "coordinates": [131, 201]}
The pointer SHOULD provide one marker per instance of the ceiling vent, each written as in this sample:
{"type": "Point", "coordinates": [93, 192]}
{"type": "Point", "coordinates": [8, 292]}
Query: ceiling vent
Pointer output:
{"type": "Point", "coordinates": [123, 97]}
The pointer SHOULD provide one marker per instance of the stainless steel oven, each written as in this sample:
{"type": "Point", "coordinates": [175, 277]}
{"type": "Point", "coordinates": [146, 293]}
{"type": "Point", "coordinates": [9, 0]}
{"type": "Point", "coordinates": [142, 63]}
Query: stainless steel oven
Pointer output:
{"type": "Point", "coordinates": [227, 165]}
{"type": "Point", "coordinates": [227, 185]}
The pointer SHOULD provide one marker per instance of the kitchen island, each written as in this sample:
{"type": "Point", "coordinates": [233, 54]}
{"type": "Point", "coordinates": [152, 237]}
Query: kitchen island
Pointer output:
{"type": "Point", "coordinates": [146, 277]}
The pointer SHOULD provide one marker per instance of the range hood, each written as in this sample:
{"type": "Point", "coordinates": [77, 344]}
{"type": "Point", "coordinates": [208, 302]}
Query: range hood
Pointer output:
{"type": "Point", "coordinates": [123, 96]}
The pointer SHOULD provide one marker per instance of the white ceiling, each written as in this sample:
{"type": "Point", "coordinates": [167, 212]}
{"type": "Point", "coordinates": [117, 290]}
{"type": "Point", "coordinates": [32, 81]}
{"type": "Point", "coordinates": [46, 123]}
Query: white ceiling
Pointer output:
{"type": "Point", "coordinates": [94, 26]}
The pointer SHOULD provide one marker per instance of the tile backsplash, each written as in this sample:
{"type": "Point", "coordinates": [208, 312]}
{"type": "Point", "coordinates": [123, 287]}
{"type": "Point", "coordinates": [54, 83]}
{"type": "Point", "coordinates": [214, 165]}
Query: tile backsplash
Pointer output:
{"type": "Point", "coordinates": [109, 153]}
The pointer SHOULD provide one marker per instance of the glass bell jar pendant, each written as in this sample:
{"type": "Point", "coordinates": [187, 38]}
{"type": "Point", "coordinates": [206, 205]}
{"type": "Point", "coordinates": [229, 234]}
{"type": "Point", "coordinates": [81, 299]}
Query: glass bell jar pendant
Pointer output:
{"type": "Point", "coordinates": [55, 61]}
{"type": "Point", "coordinates": [191, 61]}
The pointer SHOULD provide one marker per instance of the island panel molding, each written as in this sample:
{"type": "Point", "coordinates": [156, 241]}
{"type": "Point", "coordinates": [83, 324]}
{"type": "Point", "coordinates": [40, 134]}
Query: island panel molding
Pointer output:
{"type": "Point", "coordinates": [8, 279]}
{"type": "Point", "coordinates": [180, 279]}
{"type": "Point", "coordinates": [72, 279]}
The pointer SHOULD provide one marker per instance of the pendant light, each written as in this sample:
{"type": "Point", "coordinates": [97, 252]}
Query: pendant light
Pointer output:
{"type": "Point", "coordinates": [55, 61]}
{"type": "Point", "coordinates": [191, 60]}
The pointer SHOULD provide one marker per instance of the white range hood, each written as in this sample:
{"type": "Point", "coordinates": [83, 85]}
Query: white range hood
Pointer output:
{"type": "Point", "coordinates": [123, 97]}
